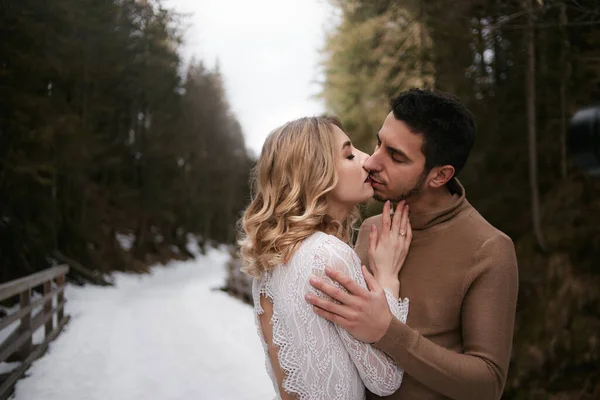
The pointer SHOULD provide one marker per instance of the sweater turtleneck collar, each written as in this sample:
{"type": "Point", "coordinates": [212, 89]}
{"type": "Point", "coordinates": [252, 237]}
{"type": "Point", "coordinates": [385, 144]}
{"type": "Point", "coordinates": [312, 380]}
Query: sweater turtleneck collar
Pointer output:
{"type": "Point", "coordinates": [426, 220]}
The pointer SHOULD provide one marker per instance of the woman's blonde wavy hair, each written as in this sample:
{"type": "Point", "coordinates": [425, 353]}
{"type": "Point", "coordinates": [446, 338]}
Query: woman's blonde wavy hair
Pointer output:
{"type": "Point", "coordinates": [290, 182]}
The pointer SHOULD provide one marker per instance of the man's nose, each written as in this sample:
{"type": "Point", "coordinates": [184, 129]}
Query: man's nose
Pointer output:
{"type": "Point", "coordinates": [371, 163]}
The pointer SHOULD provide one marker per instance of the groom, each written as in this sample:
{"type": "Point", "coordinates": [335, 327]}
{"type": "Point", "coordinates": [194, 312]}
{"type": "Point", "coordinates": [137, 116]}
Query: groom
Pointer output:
{"type": "Point", "coordinates": [460, 275]}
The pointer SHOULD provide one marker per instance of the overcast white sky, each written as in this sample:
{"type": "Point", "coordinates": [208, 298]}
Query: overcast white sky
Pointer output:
{"type": "Point", "coordinates": [268, 52]}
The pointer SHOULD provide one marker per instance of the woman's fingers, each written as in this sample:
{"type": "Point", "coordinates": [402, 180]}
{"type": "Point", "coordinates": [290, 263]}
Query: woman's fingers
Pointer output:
{"type": "Point", "coordinates": [373, 239]}
{"type": "Point", "coordinates": [398, 215]}
{"type": "Point", "coordinates": [403, 229]}
{"type": "Point", "coordinates": [372, 245]}
{"type": "Point", "coordinates": [386, 220]}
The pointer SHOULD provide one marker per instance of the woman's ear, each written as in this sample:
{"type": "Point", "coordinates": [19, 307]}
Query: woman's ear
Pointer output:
{"type": "Point", "coordinates": [439, 176]}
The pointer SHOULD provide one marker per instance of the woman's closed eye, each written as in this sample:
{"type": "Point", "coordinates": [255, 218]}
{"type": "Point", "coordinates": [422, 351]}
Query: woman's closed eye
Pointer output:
{"type": "Point", "coordinates": [350, 157]}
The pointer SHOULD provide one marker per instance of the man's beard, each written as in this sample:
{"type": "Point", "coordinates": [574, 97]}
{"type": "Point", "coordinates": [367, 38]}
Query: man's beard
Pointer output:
{"type": "Point", "coordinates": [412, 193]}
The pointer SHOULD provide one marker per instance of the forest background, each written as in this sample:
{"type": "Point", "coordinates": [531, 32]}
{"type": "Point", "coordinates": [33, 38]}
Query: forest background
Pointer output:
{"type": "Point", "coordinates": [113, 158]}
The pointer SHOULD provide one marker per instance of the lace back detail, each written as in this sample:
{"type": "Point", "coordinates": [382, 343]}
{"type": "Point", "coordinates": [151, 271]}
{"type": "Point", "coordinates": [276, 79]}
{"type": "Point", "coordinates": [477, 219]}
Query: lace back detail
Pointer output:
{"type": "Point", "coordinates": [288, 358]}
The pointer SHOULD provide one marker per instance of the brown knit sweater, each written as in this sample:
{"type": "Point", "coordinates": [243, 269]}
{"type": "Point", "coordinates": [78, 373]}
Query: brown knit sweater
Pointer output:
{"type": "Point", "coordinates": [461, 278]}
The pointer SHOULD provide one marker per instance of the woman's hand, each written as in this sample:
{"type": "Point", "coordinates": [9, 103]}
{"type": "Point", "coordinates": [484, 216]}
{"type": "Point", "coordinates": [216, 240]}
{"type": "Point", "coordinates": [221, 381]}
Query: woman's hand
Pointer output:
{"type": "Point", "coordinates": [388, 249]}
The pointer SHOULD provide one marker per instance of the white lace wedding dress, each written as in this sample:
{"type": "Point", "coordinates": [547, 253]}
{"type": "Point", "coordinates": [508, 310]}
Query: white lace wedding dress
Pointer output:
{"type": "Point", "coordinates": [321, 360]}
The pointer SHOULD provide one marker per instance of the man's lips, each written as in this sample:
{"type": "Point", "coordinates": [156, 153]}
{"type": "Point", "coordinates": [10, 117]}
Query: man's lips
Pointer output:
{"type": "Point", "coordinates": [374, 180]}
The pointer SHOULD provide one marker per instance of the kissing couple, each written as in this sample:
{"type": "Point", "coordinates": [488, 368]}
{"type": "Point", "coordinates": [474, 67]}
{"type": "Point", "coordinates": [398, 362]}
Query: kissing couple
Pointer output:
{"type": "Point", "coordinates": [423, 306]}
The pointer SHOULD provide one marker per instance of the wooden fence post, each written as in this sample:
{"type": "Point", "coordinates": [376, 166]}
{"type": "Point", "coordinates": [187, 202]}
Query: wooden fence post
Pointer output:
{"type": "Point", "coordinates": [49, 326]}
{"type": "Point", "coordinates": [25, 300]}
{"type": "Point", "coordinates": [60, 282]}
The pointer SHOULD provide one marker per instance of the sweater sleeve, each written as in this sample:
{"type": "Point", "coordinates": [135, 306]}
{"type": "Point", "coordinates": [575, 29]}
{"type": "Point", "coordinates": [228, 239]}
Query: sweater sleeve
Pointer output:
{"type": "Point", "coordinates": [487, 317]}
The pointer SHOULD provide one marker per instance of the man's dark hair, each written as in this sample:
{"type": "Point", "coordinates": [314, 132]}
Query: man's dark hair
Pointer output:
{"type": "Point", "coordinates": [447, 126]}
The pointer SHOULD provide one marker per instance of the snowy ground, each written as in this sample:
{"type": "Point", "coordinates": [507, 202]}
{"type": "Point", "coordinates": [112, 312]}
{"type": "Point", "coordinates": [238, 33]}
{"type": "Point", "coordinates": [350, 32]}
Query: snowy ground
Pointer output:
{"type": "Point", "coordinates": [163, 336]}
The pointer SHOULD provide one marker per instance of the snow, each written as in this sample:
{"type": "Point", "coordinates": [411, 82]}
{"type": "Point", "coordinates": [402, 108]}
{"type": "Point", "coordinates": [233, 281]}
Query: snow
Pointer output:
{"type": "Point", "coordinates": [6, 367]}
{"type": "Point", "coordinates": [166, 335]}
{"type": "Point", "coordinates": [125, 240]}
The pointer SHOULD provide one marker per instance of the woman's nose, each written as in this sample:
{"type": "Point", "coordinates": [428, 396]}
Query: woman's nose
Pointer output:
{"type": "Point", "coordinates": [363, 158]}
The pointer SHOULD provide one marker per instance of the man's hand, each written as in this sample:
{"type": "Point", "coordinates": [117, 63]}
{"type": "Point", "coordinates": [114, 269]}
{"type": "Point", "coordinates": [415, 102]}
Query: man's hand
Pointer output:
{"type": "Point", "coordinates": [363, 313]}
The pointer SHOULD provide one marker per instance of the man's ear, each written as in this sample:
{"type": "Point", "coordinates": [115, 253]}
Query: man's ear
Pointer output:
{"type": "Point", "coordinates": [439, 176]}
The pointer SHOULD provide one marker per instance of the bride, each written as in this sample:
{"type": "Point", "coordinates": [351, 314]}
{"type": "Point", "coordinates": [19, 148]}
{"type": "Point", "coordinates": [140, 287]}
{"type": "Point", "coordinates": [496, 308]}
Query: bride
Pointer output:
{"type": "Point", "coordinates": [307, 184]}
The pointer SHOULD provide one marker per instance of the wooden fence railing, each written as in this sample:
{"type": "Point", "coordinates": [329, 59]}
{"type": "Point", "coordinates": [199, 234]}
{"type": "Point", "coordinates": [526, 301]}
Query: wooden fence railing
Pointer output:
{"type": "Point", "coordinates": [18, 345]}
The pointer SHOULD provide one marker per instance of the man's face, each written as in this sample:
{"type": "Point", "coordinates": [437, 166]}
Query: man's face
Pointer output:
{"type": "Point", "coordinates": [397, 166]}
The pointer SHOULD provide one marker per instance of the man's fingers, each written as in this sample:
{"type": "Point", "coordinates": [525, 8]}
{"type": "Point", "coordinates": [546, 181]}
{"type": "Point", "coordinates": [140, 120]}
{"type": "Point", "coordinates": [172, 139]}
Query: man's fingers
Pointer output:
{"type": "Point", "coordinates": [333, 292]}
{"type": "Point", "coordinates": [326, 304]}
{"type": "Point", "coordinates": [347, 282]}
{"type": "Point", "coordinates": [336, 319]}
{"type": "Point", "coordinates": [397, 219]}
{"type": "Point", "coordinates": [372, 283]}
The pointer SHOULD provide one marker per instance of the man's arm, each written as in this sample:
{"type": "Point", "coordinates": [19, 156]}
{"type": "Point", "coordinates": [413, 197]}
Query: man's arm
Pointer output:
{"type": "Point", "coordinates": [488, 314]}
{"type": "Point", "coordinates": [487, 325]}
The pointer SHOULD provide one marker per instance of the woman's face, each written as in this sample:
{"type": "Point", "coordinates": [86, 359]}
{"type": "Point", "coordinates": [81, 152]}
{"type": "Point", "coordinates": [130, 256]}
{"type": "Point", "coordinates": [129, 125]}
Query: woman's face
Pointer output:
{"type": "Point", "coordinates": [353, 185]}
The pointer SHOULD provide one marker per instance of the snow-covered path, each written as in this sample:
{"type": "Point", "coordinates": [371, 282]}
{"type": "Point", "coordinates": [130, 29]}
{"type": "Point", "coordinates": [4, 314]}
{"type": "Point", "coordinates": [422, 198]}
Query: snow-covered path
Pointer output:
{"type": "Point", "coordinates": [162, 336]}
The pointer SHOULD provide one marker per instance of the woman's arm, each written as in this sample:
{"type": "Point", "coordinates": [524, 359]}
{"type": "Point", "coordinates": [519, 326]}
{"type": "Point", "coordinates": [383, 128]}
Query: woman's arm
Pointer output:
{"type": "Point", "coordinates": [377, 371]}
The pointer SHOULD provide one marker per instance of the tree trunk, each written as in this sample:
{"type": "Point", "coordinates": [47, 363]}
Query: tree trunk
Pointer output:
{"type": "Point", "coordinates": [497, 60]}
{"type": "Point", "coordinates": [564, 77]}
{"type": "Point", "coordinates": [421, 37]}
{"type": "Point", "coordinates": [531, 125]}
{"type": "Point", "coordinates": [483, 82]}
